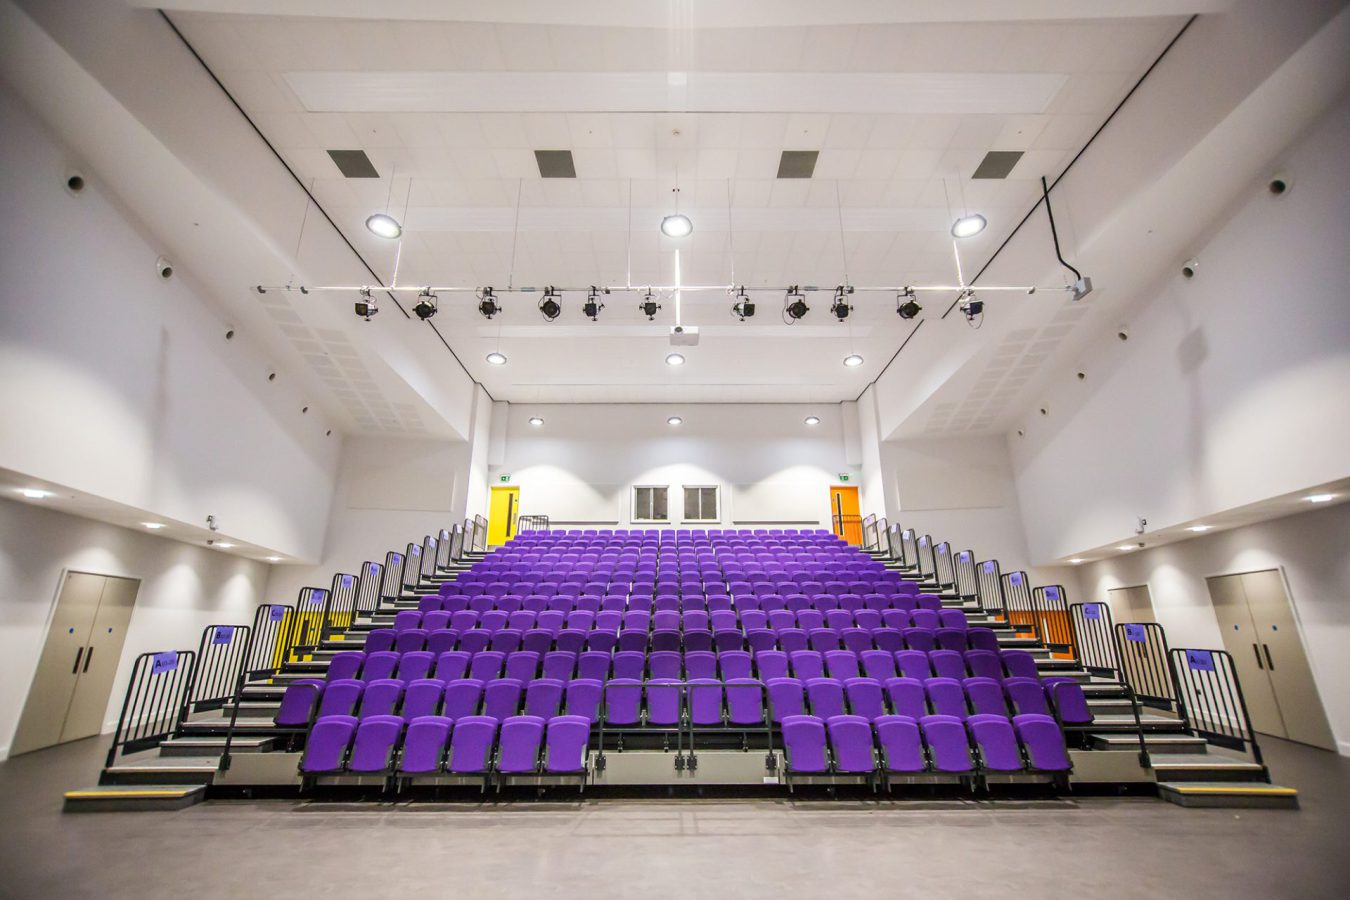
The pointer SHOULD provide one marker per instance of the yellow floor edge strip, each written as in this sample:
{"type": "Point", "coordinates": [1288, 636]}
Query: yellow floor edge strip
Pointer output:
{"type": "Point", "coordinates": [1232, 790]}
{"type": "Point", "coordinates": [123, 795]}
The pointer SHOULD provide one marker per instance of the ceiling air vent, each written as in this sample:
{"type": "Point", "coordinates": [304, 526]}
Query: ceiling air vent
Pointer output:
{"type": "Point", "coordinates": [555, 164]}
{"type": "Point", "coordinates": [353, 163]}
{"type": "Point", "coordinates": [797, 163]}
{"type": "Point", "coordinates": [997, 164]}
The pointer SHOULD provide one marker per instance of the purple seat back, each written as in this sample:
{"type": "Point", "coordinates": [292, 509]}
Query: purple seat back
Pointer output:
{"type": "Point", "coordinates": [451, 665]}
{"type": "Point", "coordinates": [566, 743]}
{"type": "Point", "coordinates": [823, 640]}
{"type": "Point", "coordinates": [604, 641]}
{"type": "Point", "coordinates": [663, 702]}
{"type": "Point", "coordinates": [745, 701]}
{"type": "Point", "coordinates": [907, 697]}
{"type": "Point", "coordinates": [543, 697]}
{"type": "Point", "coordinates": [487, 665]}
{"type": "Point", "coordinates": [1020, 664]}
{"type": "Point", "coordinates": [583, 698]}
{"type": "Point", "coordinates": [920, 639]}
{"type": "Point", "coordinates": [997, 743]}
{"type": "Point", "coordinates": [851, 740]}
{"type": "Point", "coordinates": [865, 698]}
{"type": "Point", "coordinates": [630, 664]}
{"type": "Point", "coordinates": [786, 697]}
{"type": "Point", "coordinates": [826, 696]}
{"type": "Point", "coordinates": [298, 703]}
{"type": "Point", "coordinates": [700, 664]}
{"type": "Point", "coordinates": [953, 618]}
{"type": "Point", "coordinates": [664, 664]}
{"type": "Point", "coordinates": [475, 641]}
{"type": "Point", "coordinates": [841, 664]}
{"type": "Point", "coordinates": [913, 664]}
{"type": "Point", "coordinates": [804, 741]}
{"type": "Point", "coordinates": [877, 664]}
{"type": "Point", "coordinates": [947, 664]}
{"type": "Point", "coordinates": [442, 640]}
{"type": "Point", "coordinates": [373, 748]}
{"type": "Point", "coordinates": [471, 743]}
{"type": "Point", "coordinates": [623, 701]}
{"type": "Point", "coordinates": [340, 697]}
{"type": "Point", "coordinates": [856, 640]}
{"type": "Point", "coordinates": [462, 698]}
{"type": "Point", "coordinates": [506, 640]}
{"type": "Point", "coordinates": [501, 698]}
{"type": "Point", "coordinates": [1068, 700]}
{"type": "Point", "coordinates": [408, 618]}
{"type": "Point", "coordinates": [983, 664]}
{"type": "Point", "coordinates": [410, 640]}
{"type": "Point", "coordinates": [424, 745]}
{"type": "Point", "coordinates": [379, 665]}
{"type": "Point", "coordinates": [946, 697]}
{"type": "Point", "coordinates": [415, 665]}
{"type": "Point", "coordinates": [705, 701]}
{"type": "Point", "coordinates": [807, 664]}
{"type": "Point", "coordinates": [734, 664]}
{"type": "Point", "coordinates": [771, 664]}
{"type": "Point", "coordinates": [981, 638]}
{"type": "Point", "coordinates": [345, 665]}
{"type": "Point", "coordinates": [593, 665]}
{"type": "Point", "coordinates": [559, 664]}
{"type": "Point", "coordinates": [948, 743]}
{"type": "Point", "coordinates": [1027, 696]}
{"type": "Point", "coordinates": [519, 744]}
{"type": "Point", "coordinates": [522, 665]}
{"type": "Point", "coordinates": [901, 745]}
{"type": "Point", "coordinates": [760, 640]}
{"type": "Point", "coordinates": [328, 742]}
{"type": "Point", "coordinates": [537, 640]}
{"type": "Point", "coordinates": [792, 640]}
{"type": "Point", "coordinates": [1044, 742]}
{"type": "Point", "coordinates": [891, 640]}
{"type": "Point", "coordinates": [986, 696]}
{"type": "Point", "coordinates": [422, 698]}
{"type": "Point", "coordinates": [951, 639]}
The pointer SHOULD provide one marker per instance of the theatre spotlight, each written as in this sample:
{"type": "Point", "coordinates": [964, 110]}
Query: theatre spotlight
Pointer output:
{"type": "Point", "coordinates": [487, 304]}
{"type": "Point", "coordinates": [591, 308]}
{"type": "Point", "coordinates": [550, 306]}
{"type": "Point", "coordinates": [743, 308]}
{"type": "Point", "coordinates": [366, 306]}
{"type": "Point", "coordinates": [426, 305]}
{"type": "Point", "coordinates": [840, 307]}
{"type": "Point", "coordinates": [649, 307]}
{"type": "Point", "coordinates": [972, 309]}
{"type": "Point", "coordinates": [794, 305]}
{"type": "Point", "coordinates": [905, 304]}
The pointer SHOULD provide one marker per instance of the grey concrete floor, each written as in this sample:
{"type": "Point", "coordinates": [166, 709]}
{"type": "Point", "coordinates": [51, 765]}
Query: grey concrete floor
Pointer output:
{"type": "Point", "coordinates": [599, 848]}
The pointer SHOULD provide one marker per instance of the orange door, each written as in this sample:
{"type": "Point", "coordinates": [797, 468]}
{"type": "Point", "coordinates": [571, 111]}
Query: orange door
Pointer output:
{"type": "Point", "coordinates": [844, 517]}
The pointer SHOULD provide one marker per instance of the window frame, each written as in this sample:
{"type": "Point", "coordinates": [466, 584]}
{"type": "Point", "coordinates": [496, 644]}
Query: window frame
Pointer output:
{"type": "Point", "coordinates": [634, 517]}
{"type": "Point", "coordinates": [717, 503]}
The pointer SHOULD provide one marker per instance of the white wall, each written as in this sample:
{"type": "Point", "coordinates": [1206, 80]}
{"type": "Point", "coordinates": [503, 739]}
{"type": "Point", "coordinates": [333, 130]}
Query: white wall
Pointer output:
{"type": "Point", "coordinates": [1310, 548]}
{"type": "Point", "coordinates": [581, 465]}
{"type": "Point", "coordinates": [184, 588]}
{"type": "Point", "coordinates": [120, 384]}
{"type": "Point", "coordinates": [1231, 388]}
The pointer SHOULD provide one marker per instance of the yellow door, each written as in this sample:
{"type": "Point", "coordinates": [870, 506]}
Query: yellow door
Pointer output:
{"type": "Point", "coordinates": [844, 517]}
{"type": "Point", "coordinates": [502, 515]}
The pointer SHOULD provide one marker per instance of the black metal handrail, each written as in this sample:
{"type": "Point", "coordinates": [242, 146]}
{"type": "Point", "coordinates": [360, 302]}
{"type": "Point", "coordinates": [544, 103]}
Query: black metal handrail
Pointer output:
{"type": "Point", "coordinates": [1142, 650]}
{"type": "Point", "coordinates": [532, 523]}
{"type": "Point", "coordinates": [1018, 604]}
{"type": "Point", "coordinates": [989, 588]}
{"type": "Point", "coordinates": [944, 566]}
{"type": "Point", "coordinates": [927, 559]}
{"type": "Point", "coordinates": [391, 583]}
{"type": "Point", "coordinates": [1210, 701]}
{"type": "Point", "coordinates": [967, 581]}
{"type": "Point", "coordinates": [480, 532]}
{"type": "Point", "coordinates": [1052, 617]}
{"type": "Point", "coordinates": [1093, 638]}
{"type": "Point", "coordinates": [870, 539]}
{"type": "Point", "coordinates": [156, 694]}
{"type": "Point", "coordinates": [429, 553]}
{"type": "Point", "coordinates": [456, 543]}
{"type": "Point", "coordinates": [340, 609]}
{"type": "Point", "coordinates": [269, 647]}
{"type": "Point", "coordinates": [220, 658]}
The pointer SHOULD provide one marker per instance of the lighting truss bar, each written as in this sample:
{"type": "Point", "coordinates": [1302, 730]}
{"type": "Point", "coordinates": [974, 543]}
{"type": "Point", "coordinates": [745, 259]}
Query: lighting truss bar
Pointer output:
{"type": "Point", "coordinates": [669, 288]}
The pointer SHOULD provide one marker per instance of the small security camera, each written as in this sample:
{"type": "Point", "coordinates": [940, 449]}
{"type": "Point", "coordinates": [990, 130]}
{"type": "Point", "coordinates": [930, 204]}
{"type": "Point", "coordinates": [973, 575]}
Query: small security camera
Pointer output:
{"type": "Point", "coordinates": [74, 181]}
{"type": "Point", "coordinates": [211, 523]}
{"type": "Point", "coordinates": [1279, 184]}
{"type": "Point", "coordinates": [1141, 525]}
{"type": "Point", "coordinates": [164, 268]}
{"type": "Point", "coordinates": [1188, 268]}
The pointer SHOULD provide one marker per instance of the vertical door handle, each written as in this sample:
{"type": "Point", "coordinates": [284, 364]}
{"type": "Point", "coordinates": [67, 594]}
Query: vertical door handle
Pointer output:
{"type": "Point", "coordinates": [1257, 651]}
{"type": "Point", "coordinates": [1270, 663]}
{"type": "Point", "coordinates": [87, 657]}
{"type": "Point", "coordinates": [75, 668]}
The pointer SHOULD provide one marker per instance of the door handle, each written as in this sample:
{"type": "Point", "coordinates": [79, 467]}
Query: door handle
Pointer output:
{"type": "Point", "coordinates": [87, 658]}
{"type": "Point", "coordinates": [1257, 651]}
{"type": "Point", "coordinates": [1270, 663]}
{"type": "Point", "coordinates": [75, 668]}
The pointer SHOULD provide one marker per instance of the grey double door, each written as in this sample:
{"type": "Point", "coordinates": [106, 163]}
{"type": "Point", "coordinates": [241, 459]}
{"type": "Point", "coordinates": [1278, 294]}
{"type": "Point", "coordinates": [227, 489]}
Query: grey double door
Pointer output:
{"type": "Point", "coordinates": [69, 694]}
{"type": "Point", "coordinates": [1259, 630]}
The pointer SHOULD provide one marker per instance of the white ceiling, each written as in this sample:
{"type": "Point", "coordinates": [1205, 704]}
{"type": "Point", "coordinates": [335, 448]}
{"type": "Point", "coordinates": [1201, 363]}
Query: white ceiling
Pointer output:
{"type": "Point", "coordinates": [461, 106]}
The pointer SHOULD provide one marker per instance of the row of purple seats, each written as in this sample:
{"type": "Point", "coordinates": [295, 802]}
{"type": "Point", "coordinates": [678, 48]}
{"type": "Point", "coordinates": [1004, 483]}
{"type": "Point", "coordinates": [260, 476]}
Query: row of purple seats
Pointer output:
{"type": "Point", "coordinates": [930, 743]}
{"type": "Point", "coordinates": [500, 697]}
{"type": "Point", "coordinates": [712, 602]}
{"type": "Point", "coordinates": [686, 619]}
{"type": "Point", "coordinates": [432, 744]}
{"type": "Point", "coordinates": [870, 697]}
{"type": "Point", "coordinates": [883, 664]}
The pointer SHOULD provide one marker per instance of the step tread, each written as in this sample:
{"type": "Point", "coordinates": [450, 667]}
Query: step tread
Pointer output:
{"type": "Point", "coordinates": [1201, 761]}
{"type": "Point", "coordinates": [1228, 787]}
{"type": "Point", "coordinates": [135, 792]}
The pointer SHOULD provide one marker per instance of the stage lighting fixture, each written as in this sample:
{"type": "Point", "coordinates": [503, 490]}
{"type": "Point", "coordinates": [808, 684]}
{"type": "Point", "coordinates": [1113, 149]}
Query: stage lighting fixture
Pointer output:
{"type": "Point", "coordinates": [743, 308]}
{"type": "Point", "coordinates": [487, 304]}
{"type": "Point", "coordinates": [906, 305]}
{"type": "Point", "coordinates": [972, 309]}
{"type": "Point", "coordinates": [426, 305]}
{"type": "Point", "coordinates": [365, 306]}
{"type": "Point", "coordinates": [649, 307]}
{"type": "Point", "coordinates": [794, 304]}
{"type": "Point", "coordinates": [840, 307]}
{"type": "Point", "coordinates": [591, 308]}
{"type": "Point", "coordinates": [550, 305]}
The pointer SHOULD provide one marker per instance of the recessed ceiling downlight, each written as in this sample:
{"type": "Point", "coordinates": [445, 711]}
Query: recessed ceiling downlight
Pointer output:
{"type": "Point", "coordinates": [969, 226]}
{"type": "Point", "coordinates": [35, 493]}
{"type": "Point", "coordinates": [812, 420]}
{"type": "Point", "coordinates": [384, 225]}
{"type": "Point", "coordinates": [153, 526]}
{"type": "Point", "coordinates": [1320, 498]}
{"type": "Point", "coordinates": [677, 226]}
{"type": "Point", "coordinates": [853, 360]}
{"type": "Point", "coordinates": [536, 421]}
{"type": "Point", "coordinates": [674, 359]}
{"type": "Point", "coordinates": [496, 359]}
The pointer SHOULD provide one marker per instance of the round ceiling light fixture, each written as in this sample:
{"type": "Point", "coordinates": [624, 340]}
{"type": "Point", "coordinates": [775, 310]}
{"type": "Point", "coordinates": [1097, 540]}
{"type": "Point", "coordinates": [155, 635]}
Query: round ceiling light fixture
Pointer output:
{"type": "Point", "coordinates": [677, 226]}
{"type": "Point", "coordinates": [496, 359]}
{"type": "Point", "coordinates": [674, 359]}
{"type": "Point", "coordinates": [812, 420]}
{"type": "Point", "coordinates": [536, 421]}
{"type": "Point", "coordinates": [853, 360]}
{"type": "Point", "coordinates": [384, 225]}
{"type": "Point", "coordinates": [674, 420]}
{"type": "Point", "coordinates": [969, 226]}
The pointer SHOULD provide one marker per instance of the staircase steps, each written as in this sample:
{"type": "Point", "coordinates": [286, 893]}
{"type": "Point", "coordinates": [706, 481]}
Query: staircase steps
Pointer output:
{"type": "Point", "coordinates": [1226, 794]}
{"type": "Point", "coordinates": [133, 798]}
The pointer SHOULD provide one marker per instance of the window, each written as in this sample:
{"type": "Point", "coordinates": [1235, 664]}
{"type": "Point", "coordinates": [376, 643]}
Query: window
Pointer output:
{"type": "Point", "coordinates": [650, 504]}
{"type": "Point", "coordinates": [700, 504]}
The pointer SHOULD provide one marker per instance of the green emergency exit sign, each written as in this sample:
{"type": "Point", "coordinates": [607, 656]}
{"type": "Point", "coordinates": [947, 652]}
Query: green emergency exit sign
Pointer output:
{"type": "Point", "coordinates": [504, 478]}
{"type": "Point", "coordinates": [843, 476]}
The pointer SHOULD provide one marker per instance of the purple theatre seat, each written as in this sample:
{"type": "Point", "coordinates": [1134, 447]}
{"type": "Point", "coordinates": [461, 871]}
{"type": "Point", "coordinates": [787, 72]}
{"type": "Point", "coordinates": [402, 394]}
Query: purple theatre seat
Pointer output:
{"type": "Point", "coordinates": [997, 743]}
{"type": "Point", "coordinates": [826, 696]}
{"type": "Point", "coordinates": [571, 640]}
{"type": "Point", "coordinates": [892, 640]}
{"type": "Point", "coordinates": [410, 640]}
{"type": "Point", "coordinates": [947, 742]}
{"type": "Point", "coordinates": [631, 640]}
{"type": "Point", "coordinates": [728, 639]}
{"type": "Point", "coordinates": [868, 620]}
{"type": "Point", "coordinates": [925, 618]}
{"type": "Point", "coordinates": [379, 665]}
{"type": "Point", "coordinates": [901, 745]}
{"type": "Point", "coordinates": [822, 640]}
{"type": "Point", "coordinates": [471, 743]}
{"type": "Point", "coordinates": [505, 640]}
{"type": "Point", "coordinates": [734, 664]}
{"type": "Point", "coordinates": [543, 697]}
{"type": "Point", "coordinates": [462, 697]}
{"type": "Point", "coordinates": [487, 665]}
{"type": "Point", "coordinates": [877, 664]}
{"type": "Point", "coordinates": [700, 664]}
{"type": "Point", "coordinates": [851, 740]}
{"type": "Point", "coordinates": [804, 741]}
{"type": "Point", "coordinates": [415, 665]}
{"type": "Point", "coordinates": [464, 620]}
{"type": "Point", "coordinates": [422, 698]}
{"type": "Point", "coordinates": [1020, 664]}
{"type": "Point", "coordinates": [745, 701]}
{"type": "Point", "coordinates": [451, 665]}
{"type": "Point", "coordinates": [786, 697]}
{"type": "Point", "coordinates": [664, 664]}
{"type": "Point", "coordinates": [346, 664]}
{"type": "Point", "coordinates": [856, 640]}
{"type": "Point", "coordinates": [928, 601]}
{"type": "Point", "coordinates": [761, 639]}
{"type": "Point", "coordinates": [593, 665]}
{"type": "Point", "coordinates": [623, 701]}
{"type": "Point", "coordinates": [1043, 741]}
{"type": "Point", "coordinates": [913, 664]}
{"type": "Point", "coordinates": [604, 641]}
{"type": "Point", "coordinates": [328, 742]}
{"type": "Point", "coordinates": [1027, 696]}
{"type": "Point", "coordinates": [841, 664]}
{"type": "Point", "coordinates": [630, 664]}
{"type": "Point", "coordinates": [807, 664]}
{"type": "Point", "coordinates": [583, 698]}
{"type": "Point", "coordinates": [983, 664]}
{"type": "Point", "coordinates": [951, 639]}
{"type": "Point", "coordinates": [298, 703]}
{"type": "Point", "coordinates": [920, 639]}
{"type": "Point", "coordinates": [907, 697]}
{"type": "Point", "coordinates": [705, 701]}
{"type": "Point", "coordinates": [537, 640]}
{"type": "Point", "coordinates": [474, 642]}
{"type": "Point", "coordinates": [559, 664]}
{"type": "Point", "coordinates": [1066, 696]}
{"type": "Point", "coordinates": [696, 640]}
{"type": "Point", "coordinates": [986, 696]}
{"type": "Point", "coordinates": [980, 638]}
{"type": "Point", "coordinates": [953, 618]}
{"type": "Point", "coordinates": [381, 697]}
{"type": "Point", "coordinates": [519, 744]}
{"type": "Point", "coordinates": [771, 664]}
{"type": "Point", "coordinates": [442, 640]}
{"type": "Point", "coordinates": [373, 749]}
{"type": "Point", "coordinates": [663, 702]}
{"type": "Point", "coordinates": [566, 744]}
{"type": "Point", "coordinates": [947, 664]}
{"type": "Point", "coordinates": [408, 618]}
{"type": "Point", "coordinates": [895, 618]}
{"type": "Point", "coordinates": [946, 697]}
{"type": "Point", "coordinates": [792, 640]}
{"type": "Point", "coordinates": [522, 665]}
{"type": "Point", "coordinates": [424, 745]}
{"type": "Point", "coordinates": [865, 698]}
{"type": "Point", "coordinates": [340, 697]}
{"type": "Point", "coordinates": [501, 698]}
